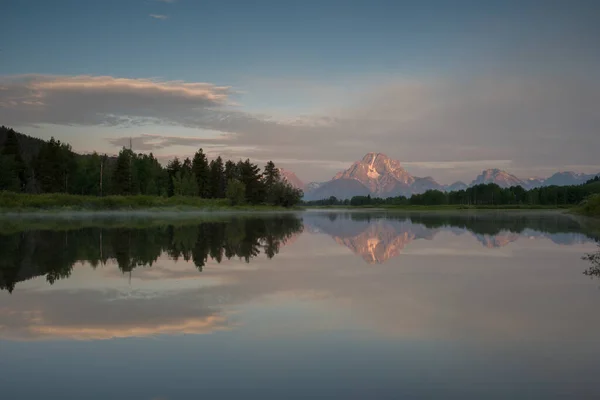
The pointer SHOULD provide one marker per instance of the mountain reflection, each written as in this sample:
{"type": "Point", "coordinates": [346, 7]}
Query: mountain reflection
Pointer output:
{"type": "Point", "coordinates": [378, 237]}
{"type": "Point", "coordinates": [52, 253]}
{"type": "Point", "coordinates": [52, 250]}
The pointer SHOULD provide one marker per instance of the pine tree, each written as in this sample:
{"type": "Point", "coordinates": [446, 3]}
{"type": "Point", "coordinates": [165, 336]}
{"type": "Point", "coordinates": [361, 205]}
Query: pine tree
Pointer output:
{"type": "Point", "coordinates": [11, 148]}
{"type": "Point", "coordinates": [121, 179]}
{"type": "Point", "coordinates": [201, 173]}
{"type": "Point", "coordinates": [271, 175]}
{"type": "Point", "coordinates": [186, 167]}
{"type": "Point", "coordinates": [236, 192]}
{"type": "Point", "coordinates": [184, 184]}
{"type": "Point", "coordinates": [8, 177]}
{"type": "Point", "coordinates": [173, 168]}
{"type": "Point", "coordinates": [251, 178]}
{"type": "Point", "coordinates": [54, 166]}
{"type": "Point", "coordinates": [217, 179]}
{"type": "Point", "coordinates": [230, 172]}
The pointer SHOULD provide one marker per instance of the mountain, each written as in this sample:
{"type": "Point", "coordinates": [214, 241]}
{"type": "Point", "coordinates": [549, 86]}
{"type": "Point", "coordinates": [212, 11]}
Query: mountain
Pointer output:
{"type": "Point", "coordinates": [421, 185]}
{"type": "Point", "coordinates": [567, 178]}
{"type": "Point", "coordinates": [292, 179]}
{"type": "Point", "coordinates": [535, 182]}
{"type": "Point", "coordinates": [499, 177]}
{"type": "Point", "coordinates": [380, 174]}
{"type": "Point", "coordinates": [376, 175]}
{"type": "Point", "coordinates": [456, 186]}
{"type": "Point", "coordinates": [312, 186]}
{"type": "Point", "coordinates": [341, 188]}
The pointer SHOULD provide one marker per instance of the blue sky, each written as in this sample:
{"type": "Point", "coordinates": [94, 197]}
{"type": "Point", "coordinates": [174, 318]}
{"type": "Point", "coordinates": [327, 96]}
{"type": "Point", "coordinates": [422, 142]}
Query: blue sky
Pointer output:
{"type": "Point", "coordinates": [348, 77]}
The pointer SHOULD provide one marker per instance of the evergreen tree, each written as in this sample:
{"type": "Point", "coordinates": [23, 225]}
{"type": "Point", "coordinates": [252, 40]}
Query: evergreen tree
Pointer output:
{"type": "Point", "coordinates": [9, 179]}
{"type": "Point", "coordinates": [86, 180]}
{"type": "Point", "coordinates": [173, 168]}
{"type": "Point", "coordinates": [271, 175]}
{"type": "Point", "coordinates": [284, 194]}
{"type": "Point", "coordinates": [251, 178]}
{"type": "Point", "coordinates": [12, 149]}
{"type": "Point", "coordinates": [236, 192]}
{"type": "Point", "coordinates": [54, 166]}
{"type": "Point", "coordinates": [217, 179]}
{"type": "Point", "coordinates": [201, 173]}
{"type": "Point", "coordinates": [122, 175]}
{"type": "Point", "coordinates": [186, 167]}
{"type": "Point", "coordinates": [230, 172]}
{"type": "Point", "coordinates": [184, 184]}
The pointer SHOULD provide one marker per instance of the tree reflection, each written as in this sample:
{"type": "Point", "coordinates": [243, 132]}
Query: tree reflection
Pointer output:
{"type": "Point", "coordinates": [594, 259]}
{"type": "Point", "coordinates": [53, 253]}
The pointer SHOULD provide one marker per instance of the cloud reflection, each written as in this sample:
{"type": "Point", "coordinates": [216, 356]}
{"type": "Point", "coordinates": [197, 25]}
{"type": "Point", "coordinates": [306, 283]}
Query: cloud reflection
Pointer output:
{"type": "Point", "coordinates": [426, 295]}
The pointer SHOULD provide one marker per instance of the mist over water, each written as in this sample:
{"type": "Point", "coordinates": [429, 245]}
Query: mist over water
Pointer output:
{"type": "Point", "coordinates": [327, 304]}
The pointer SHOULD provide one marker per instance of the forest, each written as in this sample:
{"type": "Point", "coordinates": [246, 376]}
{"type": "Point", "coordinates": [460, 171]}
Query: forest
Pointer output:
{"type": "Point", "coordinates": [29, 165]}
{"type": "Point", "coordinates": [481, 195]}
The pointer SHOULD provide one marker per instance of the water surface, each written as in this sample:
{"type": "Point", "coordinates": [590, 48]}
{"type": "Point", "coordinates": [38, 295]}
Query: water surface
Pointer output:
{"type": "Point", "coordinates": [308, 305]}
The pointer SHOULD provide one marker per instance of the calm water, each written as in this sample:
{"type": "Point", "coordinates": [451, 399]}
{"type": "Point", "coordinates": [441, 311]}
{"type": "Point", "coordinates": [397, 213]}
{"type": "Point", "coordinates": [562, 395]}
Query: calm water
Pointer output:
{"type": "Point", "coordinates": [314, 305]}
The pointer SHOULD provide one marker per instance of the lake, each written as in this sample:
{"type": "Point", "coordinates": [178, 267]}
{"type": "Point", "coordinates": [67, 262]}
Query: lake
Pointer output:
{"type": "Point", "coordinates": [317, 304]}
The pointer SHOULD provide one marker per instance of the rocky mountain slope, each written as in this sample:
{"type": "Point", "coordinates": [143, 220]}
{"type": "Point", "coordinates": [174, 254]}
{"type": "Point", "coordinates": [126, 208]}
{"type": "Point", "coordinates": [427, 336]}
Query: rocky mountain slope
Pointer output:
{"type": "Point", "coordinates": [499, 177]}
{"type": "Point", "coordinates": [292, 179]}
{"type": "Point", "coordinates": [380, 176]}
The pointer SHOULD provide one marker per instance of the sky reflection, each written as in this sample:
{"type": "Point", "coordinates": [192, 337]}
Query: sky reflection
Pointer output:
{"type": "Point", "coordinates": [398, 294]}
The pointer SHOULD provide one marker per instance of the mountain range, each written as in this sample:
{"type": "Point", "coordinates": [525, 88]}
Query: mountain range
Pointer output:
{"type": "Point", "coordinates": [380, 176]}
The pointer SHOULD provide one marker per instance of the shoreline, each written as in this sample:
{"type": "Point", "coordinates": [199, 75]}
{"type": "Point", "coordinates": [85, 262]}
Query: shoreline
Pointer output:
{"type": "Point", "coordinates": [57, 204]}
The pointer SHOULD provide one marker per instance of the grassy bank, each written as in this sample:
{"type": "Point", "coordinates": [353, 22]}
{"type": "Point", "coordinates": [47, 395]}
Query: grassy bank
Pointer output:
{"type": "Point", "coordinates": [19, 202]}
{"type": "Point", "coordinates": [590, 207]}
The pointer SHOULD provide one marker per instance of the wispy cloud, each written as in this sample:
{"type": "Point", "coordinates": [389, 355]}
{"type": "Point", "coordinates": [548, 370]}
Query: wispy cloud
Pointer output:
{"type": "Point", "coordinates": [148, 142]}
{"type": "Point", "coordinates": [167, 1]}
{"type": "Point", "coordinates": [159, 16]}
{"type": "Point", "coordinates": [458, 164]}
{"type": "Point", "coordinates": [104, 100]}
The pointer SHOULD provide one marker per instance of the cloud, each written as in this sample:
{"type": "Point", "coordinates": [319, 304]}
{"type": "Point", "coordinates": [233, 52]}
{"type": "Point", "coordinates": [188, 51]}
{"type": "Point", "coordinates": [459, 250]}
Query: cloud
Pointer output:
{"type": "Point", "coordinates": [103, 100]}
{"type": "Point", "coordinates": [167, 1]}
{"type": "Point", "coordinates": [159, 16]}
{"type": "Point", "coordinates": [458, 164]}
{"type": "Point", "coordinates": [147, 142]}
{"type": "Point", "coordinates": [95, 317]}
{"type": "Point", "coordinates": [440, 127]}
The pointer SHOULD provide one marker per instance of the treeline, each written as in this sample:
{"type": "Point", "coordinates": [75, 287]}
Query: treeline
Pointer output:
{"type": "Point", "coordinates": [479, 195]}
{"type": "Point", "coordinates": [478, 223]}
{"type": "Point", "coordinates": [55, 168]}
{"type": "Point", "coordinates": [53, 253]}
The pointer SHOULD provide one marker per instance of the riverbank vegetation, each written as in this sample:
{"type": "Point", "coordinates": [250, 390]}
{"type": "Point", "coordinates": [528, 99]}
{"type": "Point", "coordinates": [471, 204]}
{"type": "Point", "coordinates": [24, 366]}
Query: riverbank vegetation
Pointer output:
{"type": "Point", "coordinates": [23, 202]}
{"type": "Point", "coordinates": [590, 206]}
{"type": "Point", "coordinates": [49, 175]}
{"type": "Point", "coordinates": [583, 198]}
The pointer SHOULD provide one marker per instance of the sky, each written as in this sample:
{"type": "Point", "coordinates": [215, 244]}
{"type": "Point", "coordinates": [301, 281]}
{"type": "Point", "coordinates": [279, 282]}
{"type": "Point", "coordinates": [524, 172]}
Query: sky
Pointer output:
{"type": "Point", "coordinates": [449, 88]}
